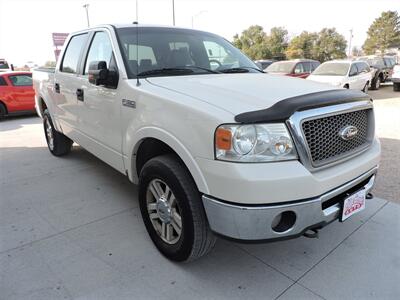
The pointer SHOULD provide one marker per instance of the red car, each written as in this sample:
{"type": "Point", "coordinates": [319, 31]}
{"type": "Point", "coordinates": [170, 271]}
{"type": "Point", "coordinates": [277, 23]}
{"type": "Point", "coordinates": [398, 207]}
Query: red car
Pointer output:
{"type": "Point", "coordinates": [296, 68]}
{"type": "Point", "coordinates": [16, 93]}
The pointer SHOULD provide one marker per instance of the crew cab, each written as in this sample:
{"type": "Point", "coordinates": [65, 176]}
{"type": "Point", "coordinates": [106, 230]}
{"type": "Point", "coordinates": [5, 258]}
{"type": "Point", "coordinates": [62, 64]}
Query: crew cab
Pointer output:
{"type": "Point", "coordinates": [16, 93]}
{"type": "Point", "coordinates": [216, 146]}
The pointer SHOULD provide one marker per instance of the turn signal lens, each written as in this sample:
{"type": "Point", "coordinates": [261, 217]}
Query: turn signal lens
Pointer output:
{"type": "Point", "coordinates": [223, 139]}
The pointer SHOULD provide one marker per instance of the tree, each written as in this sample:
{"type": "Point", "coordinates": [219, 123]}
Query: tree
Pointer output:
{"type": "Point", "coordinates": [277, 42]}
{"type": "Point", "coordinates": [302, 46]}
{"type": "Point", "coordinates": [329, 45]}
{"type": "Point", "coordinates": [383, 33]}
{"type": "Point", "coordinates": [253, 42]}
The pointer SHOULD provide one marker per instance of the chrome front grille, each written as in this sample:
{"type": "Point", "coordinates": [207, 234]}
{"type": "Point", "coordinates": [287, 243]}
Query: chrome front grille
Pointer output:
{"type": "Point", "coordinates": [317, 132]}
{"type": "Point", "coordinates": [323, 138]}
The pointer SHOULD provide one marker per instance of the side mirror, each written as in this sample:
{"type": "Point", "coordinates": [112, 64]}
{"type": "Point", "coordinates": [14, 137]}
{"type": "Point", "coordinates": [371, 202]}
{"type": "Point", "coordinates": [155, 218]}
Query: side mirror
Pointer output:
{"type": "Point", "coordinates": [98, 72]}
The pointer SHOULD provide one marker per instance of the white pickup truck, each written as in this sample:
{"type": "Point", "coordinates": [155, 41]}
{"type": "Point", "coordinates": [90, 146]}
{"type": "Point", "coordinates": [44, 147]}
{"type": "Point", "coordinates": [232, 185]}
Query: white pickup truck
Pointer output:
{"type": "Point", "coordinates": [217, 147]}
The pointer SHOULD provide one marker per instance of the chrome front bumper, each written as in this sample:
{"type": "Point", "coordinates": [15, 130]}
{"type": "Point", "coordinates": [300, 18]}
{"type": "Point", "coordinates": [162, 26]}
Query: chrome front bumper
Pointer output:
{"type": "Point", "coordinates": [252, 223]}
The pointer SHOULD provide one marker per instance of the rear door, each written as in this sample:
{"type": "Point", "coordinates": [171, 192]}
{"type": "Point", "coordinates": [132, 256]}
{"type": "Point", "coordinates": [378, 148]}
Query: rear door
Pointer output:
{"type": "Point", "coordinates": [363, 75]}
{"type": "Point", "coordinates": [66, 83]}
{"type": "Point", "coordinates": [353, 77]}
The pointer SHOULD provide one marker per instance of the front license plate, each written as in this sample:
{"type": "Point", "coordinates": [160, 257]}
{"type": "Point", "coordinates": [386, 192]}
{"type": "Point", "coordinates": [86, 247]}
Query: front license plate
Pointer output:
{"type": "Point", "coordinates": [353, 204]}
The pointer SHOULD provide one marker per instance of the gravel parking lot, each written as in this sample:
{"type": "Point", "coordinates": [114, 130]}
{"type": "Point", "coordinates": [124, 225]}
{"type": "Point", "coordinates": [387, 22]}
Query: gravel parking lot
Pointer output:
{"type": "Point", "coordinates": [70, 228]}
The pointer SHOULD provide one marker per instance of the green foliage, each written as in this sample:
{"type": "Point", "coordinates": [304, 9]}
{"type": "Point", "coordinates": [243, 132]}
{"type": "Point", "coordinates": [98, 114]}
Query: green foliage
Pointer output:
{"type": "Point", "coordinates": [329, 45]}
{"type": "Point", "coordinates": [302, 46]}
{"type": "Point", "coordinates": [326, 45]}
{"type": "Point", "coordinates": [255, 43]}
{"type": "Point", "coordinates": [383, 33]}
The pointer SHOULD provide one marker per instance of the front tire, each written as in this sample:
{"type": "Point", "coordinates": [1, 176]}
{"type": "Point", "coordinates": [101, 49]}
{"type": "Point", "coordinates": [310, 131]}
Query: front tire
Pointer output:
{"type": "Point", "coordinates": [365, 89]}
{"type": "Point", "coordinates": [57, 142]}
{"type": "Point", "coordinates": [172, 210]}
{"type": "Point", "coordinates": [3, 111]}
{"type": "Point", "coordinates": [376, 83]}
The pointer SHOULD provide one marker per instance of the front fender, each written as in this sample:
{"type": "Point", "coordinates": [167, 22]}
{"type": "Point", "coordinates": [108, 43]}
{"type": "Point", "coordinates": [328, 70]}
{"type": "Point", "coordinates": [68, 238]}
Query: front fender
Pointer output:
{"type": "Point", "coordinates": [132, 145]}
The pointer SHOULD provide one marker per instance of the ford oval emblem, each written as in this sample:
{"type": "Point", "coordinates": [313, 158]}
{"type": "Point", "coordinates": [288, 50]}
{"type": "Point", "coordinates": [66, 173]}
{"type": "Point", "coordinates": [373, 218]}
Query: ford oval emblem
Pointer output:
{"type": "Point", "coordinates": [348, 132]}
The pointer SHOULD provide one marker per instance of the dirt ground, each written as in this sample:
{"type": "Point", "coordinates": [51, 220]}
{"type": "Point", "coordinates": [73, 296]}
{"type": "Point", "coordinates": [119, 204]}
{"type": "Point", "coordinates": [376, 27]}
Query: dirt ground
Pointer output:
{"type": "Point", "coordinates": [387, 116]}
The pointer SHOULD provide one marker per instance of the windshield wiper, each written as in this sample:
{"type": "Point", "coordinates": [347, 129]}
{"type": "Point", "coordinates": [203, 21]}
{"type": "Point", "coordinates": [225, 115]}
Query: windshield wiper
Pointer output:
{"type": "Point", "coordinates": [240, 70]}
{"type": "Point", "coordinates": [166, 71]}
{"type": "Point", "coordinates": [176, 71]}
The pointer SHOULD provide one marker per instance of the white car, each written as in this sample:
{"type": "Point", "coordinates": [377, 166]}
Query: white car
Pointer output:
{"type": "Point", "coordinates": [396, 78]}
{"type": "Point", "coordinates": [348, 74]}
{"type": "Point", "coordinates": [226, 151]}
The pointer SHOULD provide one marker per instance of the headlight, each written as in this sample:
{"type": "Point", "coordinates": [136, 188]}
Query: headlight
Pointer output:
{"type": "Point", "coordinates": [254, 143]}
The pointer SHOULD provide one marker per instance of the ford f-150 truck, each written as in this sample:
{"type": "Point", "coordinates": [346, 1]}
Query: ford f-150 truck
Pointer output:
{"type": "Point", "coordinates": [216, 146]}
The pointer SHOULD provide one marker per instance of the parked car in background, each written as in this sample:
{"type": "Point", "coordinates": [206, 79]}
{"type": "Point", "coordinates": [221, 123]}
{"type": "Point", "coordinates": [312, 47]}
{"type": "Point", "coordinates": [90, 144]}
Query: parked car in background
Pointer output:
{"type": "Point", "coordinates": [381, 69]}
{"type": "Point", "coordinates": [297, 68]}
{"type": "Point", "coordinates": [396, 78]}
{"type": "Point", "coordinates": [212, 150]}
{"type": "Point", "coordinates": [390, 62]}
{"type": "Point", "coordinates": [264, 63]}
{"type": "Point", "coordinates": [5, 66]}
{"type": "Point", "coordinates": [16, 93]}
{"type": "Point", "coordinates": [354, 75]}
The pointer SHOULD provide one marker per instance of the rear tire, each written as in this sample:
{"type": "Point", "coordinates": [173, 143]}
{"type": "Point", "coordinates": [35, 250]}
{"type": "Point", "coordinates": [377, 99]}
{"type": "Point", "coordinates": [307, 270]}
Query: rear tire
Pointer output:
{"type": "Point", "coordinates": [396, 86]}
{"type": "Point", "coordinates": [57, 142]}
{"type": "Point", "coordinates": [346, 86]}
{"type": "Point", "coordinates": [376, 83]}
{"type": "Point", "coordinates": [168, 197]}
{"type": "Point", "coordinates": [3, 111]}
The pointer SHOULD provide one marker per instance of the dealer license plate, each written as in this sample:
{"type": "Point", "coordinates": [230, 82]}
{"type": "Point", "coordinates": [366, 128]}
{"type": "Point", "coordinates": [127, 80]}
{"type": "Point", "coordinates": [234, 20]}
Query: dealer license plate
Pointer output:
{"type": "Point", "coordinates": [353, 204]}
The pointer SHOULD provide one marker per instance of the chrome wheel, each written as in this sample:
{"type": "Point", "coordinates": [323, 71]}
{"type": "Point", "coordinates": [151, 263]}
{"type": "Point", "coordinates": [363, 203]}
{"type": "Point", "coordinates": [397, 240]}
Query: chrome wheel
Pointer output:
{"type": "Point", "coordinates": [164, 211]}
{"type": "Point", "coordinates": [49, 134]}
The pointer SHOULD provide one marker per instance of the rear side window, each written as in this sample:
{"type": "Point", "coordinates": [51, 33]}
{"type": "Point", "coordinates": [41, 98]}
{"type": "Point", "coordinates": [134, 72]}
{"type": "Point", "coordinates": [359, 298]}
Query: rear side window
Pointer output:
{"type": "Point", "coordinates": [2, 81]}
{"type": "Point", "coordinates": [299, 68]}
{"type": "Point", "coordinates": [314, 65]}
{"type": "Point", "coordinates": [21, 80]}
{"type": "Point", "coordinates": [72, 54]}
{"type": "Point", "coordinates": [307, 67]}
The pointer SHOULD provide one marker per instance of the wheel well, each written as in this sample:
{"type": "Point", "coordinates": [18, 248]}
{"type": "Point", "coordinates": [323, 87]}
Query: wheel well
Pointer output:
{"type": "Point", "coordinates": [43, 106]}
{"type": "Point", "coordinates": [5, 106]}
{"type": "Point", "coordinates": [346, 86]}
{"type": "Point", "coordinates": [149, 148]}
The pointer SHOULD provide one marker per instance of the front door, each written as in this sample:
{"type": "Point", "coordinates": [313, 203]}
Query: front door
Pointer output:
{"type": "Point", "coordinates": [100, 106]}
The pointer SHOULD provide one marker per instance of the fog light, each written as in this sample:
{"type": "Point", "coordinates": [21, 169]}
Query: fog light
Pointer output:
{"type": "Point", "coordinates": [283, 221]}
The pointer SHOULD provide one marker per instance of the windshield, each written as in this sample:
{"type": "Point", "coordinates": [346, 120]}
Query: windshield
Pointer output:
{"type": "Point", "coordinates": [332, 69]}
{"type": "Point", "coordinates": [173, 52]}
{"type": "Point", "coordinates": [281, 67]}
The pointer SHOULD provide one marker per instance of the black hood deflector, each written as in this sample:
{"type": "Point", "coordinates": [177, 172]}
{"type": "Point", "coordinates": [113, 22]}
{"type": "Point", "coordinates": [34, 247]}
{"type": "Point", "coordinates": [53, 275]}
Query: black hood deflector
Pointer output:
{"type": "Point", "coordinates": [282, 110]}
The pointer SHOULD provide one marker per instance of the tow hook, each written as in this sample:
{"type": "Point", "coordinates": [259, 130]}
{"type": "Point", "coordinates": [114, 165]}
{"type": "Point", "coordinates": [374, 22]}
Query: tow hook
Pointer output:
{"type": "Point", "coordinates": [311, 233]}
{"type": "Point", "coordinates": [369, 196]}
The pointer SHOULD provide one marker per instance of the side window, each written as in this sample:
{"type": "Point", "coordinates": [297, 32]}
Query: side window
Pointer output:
{"type": "Point", "coordinates": [353, 70]}
{"type": "Point", "coordinates": [100, 50]}
{"type": "Point", "coordinates": [2, 81]}
{"type": "Point", "coordinates": [362, 68]}
{"type": "Point", "coordinates": [299, 68]}
{"type": "Point", "coordinates": [72, 53]}
{"type": "Point", "coordinates": [307, 67]}
{"type": "Point", "coordinates": [21, 80]}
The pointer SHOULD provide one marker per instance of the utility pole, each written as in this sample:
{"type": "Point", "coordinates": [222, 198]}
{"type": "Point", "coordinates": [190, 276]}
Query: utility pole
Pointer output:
{"type": "Point", "coordinates": [137, 11]}
{"type": "Point", "coordinates": [351, 37]}
{"type": "Point", "coordinates": [173, 12]}
{"type": "Point", "coordinates": [86, 6]}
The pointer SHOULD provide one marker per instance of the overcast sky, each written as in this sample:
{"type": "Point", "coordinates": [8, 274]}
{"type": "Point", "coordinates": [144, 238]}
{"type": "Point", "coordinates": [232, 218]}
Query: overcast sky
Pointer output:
{"type": "Point", "coordinates": [26, 25]}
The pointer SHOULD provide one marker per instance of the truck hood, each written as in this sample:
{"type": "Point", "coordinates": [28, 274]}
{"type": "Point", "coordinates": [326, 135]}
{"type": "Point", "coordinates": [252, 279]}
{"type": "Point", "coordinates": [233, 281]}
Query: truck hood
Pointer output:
{"type": "Point", "coordinates": [238, 93]}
